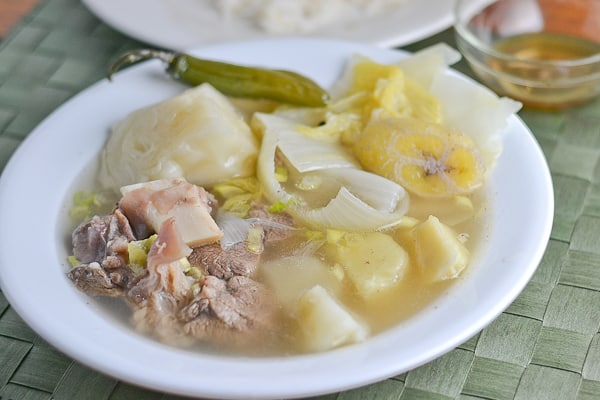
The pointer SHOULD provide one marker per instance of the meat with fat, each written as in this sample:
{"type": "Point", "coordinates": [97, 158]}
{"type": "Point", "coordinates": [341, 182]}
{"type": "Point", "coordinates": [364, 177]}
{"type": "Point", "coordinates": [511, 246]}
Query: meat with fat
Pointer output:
{"type": "Point", "coordinates": [102, 236]}
{"type": "Point", "coordinates": [149, 204]}
{"type": "Point", "coordinates": [226, 307]}
{"type": "Point", "coordinates": [238, 311]}
{"type": "Point", "coordinates": [100, 245]}
{"type": "Point", "coordinates": [94, 280]}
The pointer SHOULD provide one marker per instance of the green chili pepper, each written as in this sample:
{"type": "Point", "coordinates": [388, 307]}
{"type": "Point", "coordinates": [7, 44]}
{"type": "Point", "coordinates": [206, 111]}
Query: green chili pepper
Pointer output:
{"type": "Point", "coordinates": [234, 80]}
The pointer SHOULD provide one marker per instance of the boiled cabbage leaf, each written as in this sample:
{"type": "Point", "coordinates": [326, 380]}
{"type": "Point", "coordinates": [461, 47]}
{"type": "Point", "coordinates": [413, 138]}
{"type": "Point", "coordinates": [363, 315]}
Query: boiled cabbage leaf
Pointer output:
{"type": "Point", "coordinates": [197, 135]}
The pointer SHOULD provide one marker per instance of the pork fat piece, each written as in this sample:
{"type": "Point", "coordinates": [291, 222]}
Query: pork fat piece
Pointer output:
{"type": "Point", "coordinates": [149, 204]}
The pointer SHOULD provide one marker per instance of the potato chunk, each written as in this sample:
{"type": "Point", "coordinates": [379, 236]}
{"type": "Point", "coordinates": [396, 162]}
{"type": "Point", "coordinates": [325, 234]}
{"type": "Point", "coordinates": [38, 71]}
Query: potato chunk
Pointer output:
{"type": "Point", "coordinates": [326, 323]}
{"type": "Point", "coordinates": [290, 277]}
{"type": "Point", "coordinates": [440, 254]}
{"type": "Point", "coordinates": [373, 261]}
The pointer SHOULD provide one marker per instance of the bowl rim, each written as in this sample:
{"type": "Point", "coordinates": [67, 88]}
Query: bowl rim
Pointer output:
{"type": "Point", "coordinates": [464, 33]}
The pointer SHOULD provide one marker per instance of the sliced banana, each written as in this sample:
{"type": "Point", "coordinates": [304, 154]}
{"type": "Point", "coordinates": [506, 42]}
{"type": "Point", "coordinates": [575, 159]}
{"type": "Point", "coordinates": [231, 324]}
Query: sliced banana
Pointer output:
{"type": "Point", "coordinates": [426, 158]}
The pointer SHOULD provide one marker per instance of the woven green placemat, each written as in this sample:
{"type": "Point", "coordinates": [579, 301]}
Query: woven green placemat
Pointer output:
{"type": "Point", "coordinates": [545, 346]}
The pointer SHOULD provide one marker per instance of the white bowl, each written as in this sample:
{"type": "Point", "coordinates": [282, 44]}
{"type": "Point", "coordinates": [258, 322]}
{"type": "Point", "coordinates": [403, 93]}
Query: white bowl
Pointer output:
{"type": "Point", "coordinates": [33, 248]}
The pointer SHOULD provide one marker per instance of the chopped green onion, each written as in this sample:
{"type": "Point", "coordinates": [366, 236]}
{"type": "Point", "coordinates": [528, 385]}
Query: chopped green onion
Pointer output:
{"type": "Point", "coordinates": [73, 261]}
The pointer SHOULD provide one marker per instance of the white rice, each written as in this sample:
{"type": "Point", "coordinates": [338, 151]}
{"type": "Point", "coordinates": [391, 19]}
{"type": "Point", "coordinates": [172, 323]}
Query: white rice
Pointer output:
{"type": "Point", "coordinates": [301, 16]}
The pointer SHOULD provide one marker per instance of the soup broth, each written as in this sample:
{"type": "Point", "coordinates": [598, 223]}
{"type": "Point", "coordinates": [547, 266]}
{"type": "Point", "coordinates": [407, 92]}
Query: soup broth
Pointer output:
{"type": "Point", "coordinates": [283, 230]}
{"type": "Point", "coordinates": [381, 311]}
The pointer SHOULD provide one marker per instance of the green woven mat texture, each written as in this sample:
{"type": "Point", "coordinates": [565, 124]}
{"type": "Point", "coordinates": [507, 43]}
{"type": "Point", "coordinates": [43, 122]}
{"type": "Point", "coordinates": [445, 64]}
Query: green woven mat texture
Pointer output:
{"type": "Point", "coordinates": [545, 346]}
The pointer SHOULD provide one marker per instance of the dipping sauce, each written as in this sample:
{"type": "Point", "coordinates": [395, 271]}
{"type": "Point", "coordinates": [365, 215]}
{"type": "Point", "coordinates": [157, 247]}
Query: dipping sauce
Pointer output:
{"type": "Point", "coordinates": [535, 82]}
{"type": "Point", "coordinates": [547, 46]}
{"type": "Point", "coordinates": [544, 53]}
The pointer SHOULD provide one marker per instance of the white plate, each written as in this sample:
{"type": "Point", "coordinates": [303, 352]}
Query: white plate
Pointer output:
{"type": "Point", "coordinates": [185, 24]}
{"type": "Point", "coordinates": [33, 248]}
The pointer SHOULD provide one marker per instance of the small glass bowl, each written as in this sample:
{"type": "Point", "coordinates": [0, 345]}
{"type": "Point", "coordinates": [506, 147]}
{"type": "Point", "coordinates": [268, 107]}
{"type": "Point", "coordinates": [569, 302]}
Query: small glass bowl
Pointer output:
{"type": "Point", "coordinates": [544, 53]}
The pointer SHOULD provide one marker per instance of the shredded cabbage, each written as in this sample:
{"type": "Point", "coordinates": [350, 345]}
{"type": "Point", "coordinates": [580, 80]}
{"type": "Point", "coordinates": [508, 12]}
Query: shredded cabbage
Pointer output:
{"type": "Point", "coordinates": [85, 205]}
{"type": "Point", "coordinates": [237, 195]}
{"type": "Point", "coordinates": [138, 250]}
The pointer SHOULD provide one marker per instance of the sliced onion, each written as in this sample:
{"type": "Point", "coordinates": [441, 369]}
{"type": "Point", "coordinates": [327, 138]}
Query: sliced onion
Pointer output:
{"type": "Point", "coordinates": [305, 153]}
{"type": "Point", "coordinates": [348, 212]}
{"type": "Point", "coordinates": [365, 201]}
{"type": "Point", "coordinates": [236, 229]}
{"type": "Point", "coordinates": [377, 191]}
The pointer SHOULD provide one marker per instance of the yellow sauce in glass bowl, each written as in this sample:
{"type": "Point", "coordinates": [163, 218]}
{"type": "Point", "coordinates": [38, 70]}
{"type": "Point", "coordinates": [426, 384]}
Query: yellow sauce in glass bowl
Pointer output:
{"type": "Point", "coordinates": [544, 53]}
{"type": "Point", "coordinates": [544, 47]}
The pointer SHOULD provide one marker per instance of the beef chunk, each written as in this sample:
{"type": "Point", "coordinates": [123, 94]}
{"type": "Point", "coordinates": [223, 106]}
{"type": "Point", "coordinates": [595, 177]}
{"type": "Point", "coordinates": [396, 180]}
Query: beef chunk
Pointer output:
{"type": "Point", "coordinates": [120, 231]}
{"type": "Point", "coordinates": [224, 263]}
{"type": "Point", "coordinates": [94, 280]}
{"type": "Point", "coordinates": [100, 245]}
{"type": "Point", "coordinates": [231, 309]}
{"type": "Point", "coordinates": [235, 311]}
{"type": "Point", "coordinates": [157, 316]}
{"type": "Point", "coordinates": [89, 240]}
{"type": "Point", "coordinates": [101, 236]}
